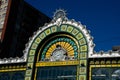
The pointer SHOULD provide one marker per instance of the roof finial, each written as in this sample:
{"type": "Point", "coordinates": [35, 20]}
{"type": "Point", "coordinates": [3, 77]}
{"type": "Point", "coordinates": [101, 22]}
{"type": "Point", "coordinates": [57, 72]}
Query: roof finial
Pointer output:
{"type": "Point", "coordinates": [59, 14]}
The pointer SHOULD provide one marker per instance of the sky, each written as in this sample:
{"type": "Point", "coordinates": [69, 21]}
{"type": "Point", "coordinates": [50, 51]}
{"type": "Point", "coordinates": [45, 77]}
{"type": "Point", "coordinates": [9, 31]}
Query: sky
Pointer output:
{"type": "Point", "coordinates": [101, 17]}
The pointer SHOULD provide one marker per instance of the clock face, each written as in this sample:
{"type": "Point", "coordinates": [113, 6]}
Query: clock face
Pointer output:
{"type": "Point", "coordinates": [58, 54]}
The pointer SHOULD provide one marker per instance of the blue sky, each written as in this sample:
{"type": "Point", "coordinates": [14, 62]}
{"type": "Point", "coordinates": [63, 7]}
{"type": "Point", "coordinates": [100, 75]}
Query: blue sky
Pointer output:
{"type": "Point", "coordinates": [102, 17]}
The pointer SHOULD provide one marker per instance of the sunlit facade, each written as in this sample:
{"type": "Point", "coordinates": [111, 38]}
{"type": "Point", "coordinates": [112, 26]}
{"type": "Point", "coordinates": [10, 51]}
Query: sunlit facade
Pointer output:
{"type": "Point", "coordinates": [62, 49]}
{"type": "Point", "coordinates": [3, 10]}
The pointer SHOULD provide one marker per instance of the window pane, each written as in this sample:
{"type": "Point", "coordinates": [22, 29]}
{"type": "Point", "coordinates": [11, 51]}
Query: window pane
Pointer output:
{"type": "Point", "coordinates": [57, 73]}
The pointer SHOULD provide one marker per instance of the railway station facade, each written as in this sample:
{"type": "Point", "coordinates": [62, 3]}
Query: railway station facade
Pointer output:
{"type": "Point", "coordinates": [61, 49]}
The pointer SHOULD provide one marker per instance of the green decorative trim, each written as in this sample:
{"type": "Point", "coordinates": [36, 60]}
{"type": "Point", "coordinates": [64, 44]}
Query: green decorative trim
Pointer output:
{"type": "Point", "coordinates": [30, 65]}
{"type": "Point", "coordinates": [79, 36]}
{"type": "Point", "coordinates": [80, 50]}
{"type": "Point", "coordinates": [82, 70]}
{"type": "Point", "coordinates": [82, 77]}
{"type": "Point", "coordinates": [31, 59]}
{"type": "Point", "coordinates": [63, 27]}
{"type": "Point", "coordinates": [48, 31]}
{"type": "Point", "coordinates": [83, 55]}
{"type": "Point", "coordinates": [28, 72]}
{"type": "Point", "coordinates": [34, 46]}
{"type": "Point", "coordinates": [42, 35]}
{"type": "Point", "coordinates": [69, 29]}
{"type": "Point", "coordinates": [32, 52]}
{"type": "Point", "coordinates": [54, 29]}
{"type": "Point", "coordinates": [82, 41]}
{"type": "Point", "coordinates": [38, 40]}
{"type": "Point", "coordinates": [27, 78]}
{"type": "Point", "coordinates": [83, 48]}
{"type": "Point", "coordinates": [74, 32]}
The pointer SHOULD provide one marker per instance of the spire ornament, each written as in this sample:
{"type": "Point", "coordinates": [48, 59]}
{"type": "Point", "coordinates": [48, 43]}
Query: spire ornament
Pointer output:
{"type": "Point", "coordinates": [59, 14]}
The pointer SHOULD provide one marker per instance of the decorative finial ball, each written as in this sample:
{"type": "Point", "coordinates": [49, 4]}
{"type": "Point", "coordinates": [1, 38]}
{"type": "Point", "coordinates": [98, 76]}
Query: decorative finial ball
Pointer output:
{"type": "Point", "coordinates": [59, 14]}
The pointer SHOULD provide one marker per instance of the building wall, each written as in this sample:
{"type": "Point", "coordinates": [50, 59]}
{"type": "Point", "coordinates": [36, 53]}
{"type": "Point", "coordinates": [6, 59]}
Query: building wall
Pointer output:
{"type": "Point", "coordinates": [42, 62]}
{"type": "Point", "coordinates": [21, 22]}
{"type": "Point", "coordinates": [3, 10]}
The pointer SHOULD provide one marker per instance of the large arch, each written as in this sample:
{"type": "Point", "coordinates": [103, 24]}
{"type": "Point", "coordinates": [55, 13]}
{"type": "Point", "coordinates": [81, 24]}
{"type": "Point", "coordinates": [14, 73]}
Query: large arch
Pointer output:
{"type": "Point", "coordinates": [62, 42]}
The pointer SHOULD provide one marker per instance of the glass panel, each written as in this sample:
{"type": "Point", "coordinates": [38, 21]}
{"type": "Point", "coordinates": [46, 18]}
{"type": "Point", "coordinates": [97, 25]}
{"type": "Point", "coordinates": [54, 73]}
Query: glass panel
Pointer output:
{"type": "Point", "coordinates": [57, 73]}
{"type": "Point", "coordinates": [18, 76]}
{"type": "Point", "coordinates": [4, 76]}
{"type": "Point", "coordinates": [106, 74]}
{"type": "Point", "coordinates": [12, 75]}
